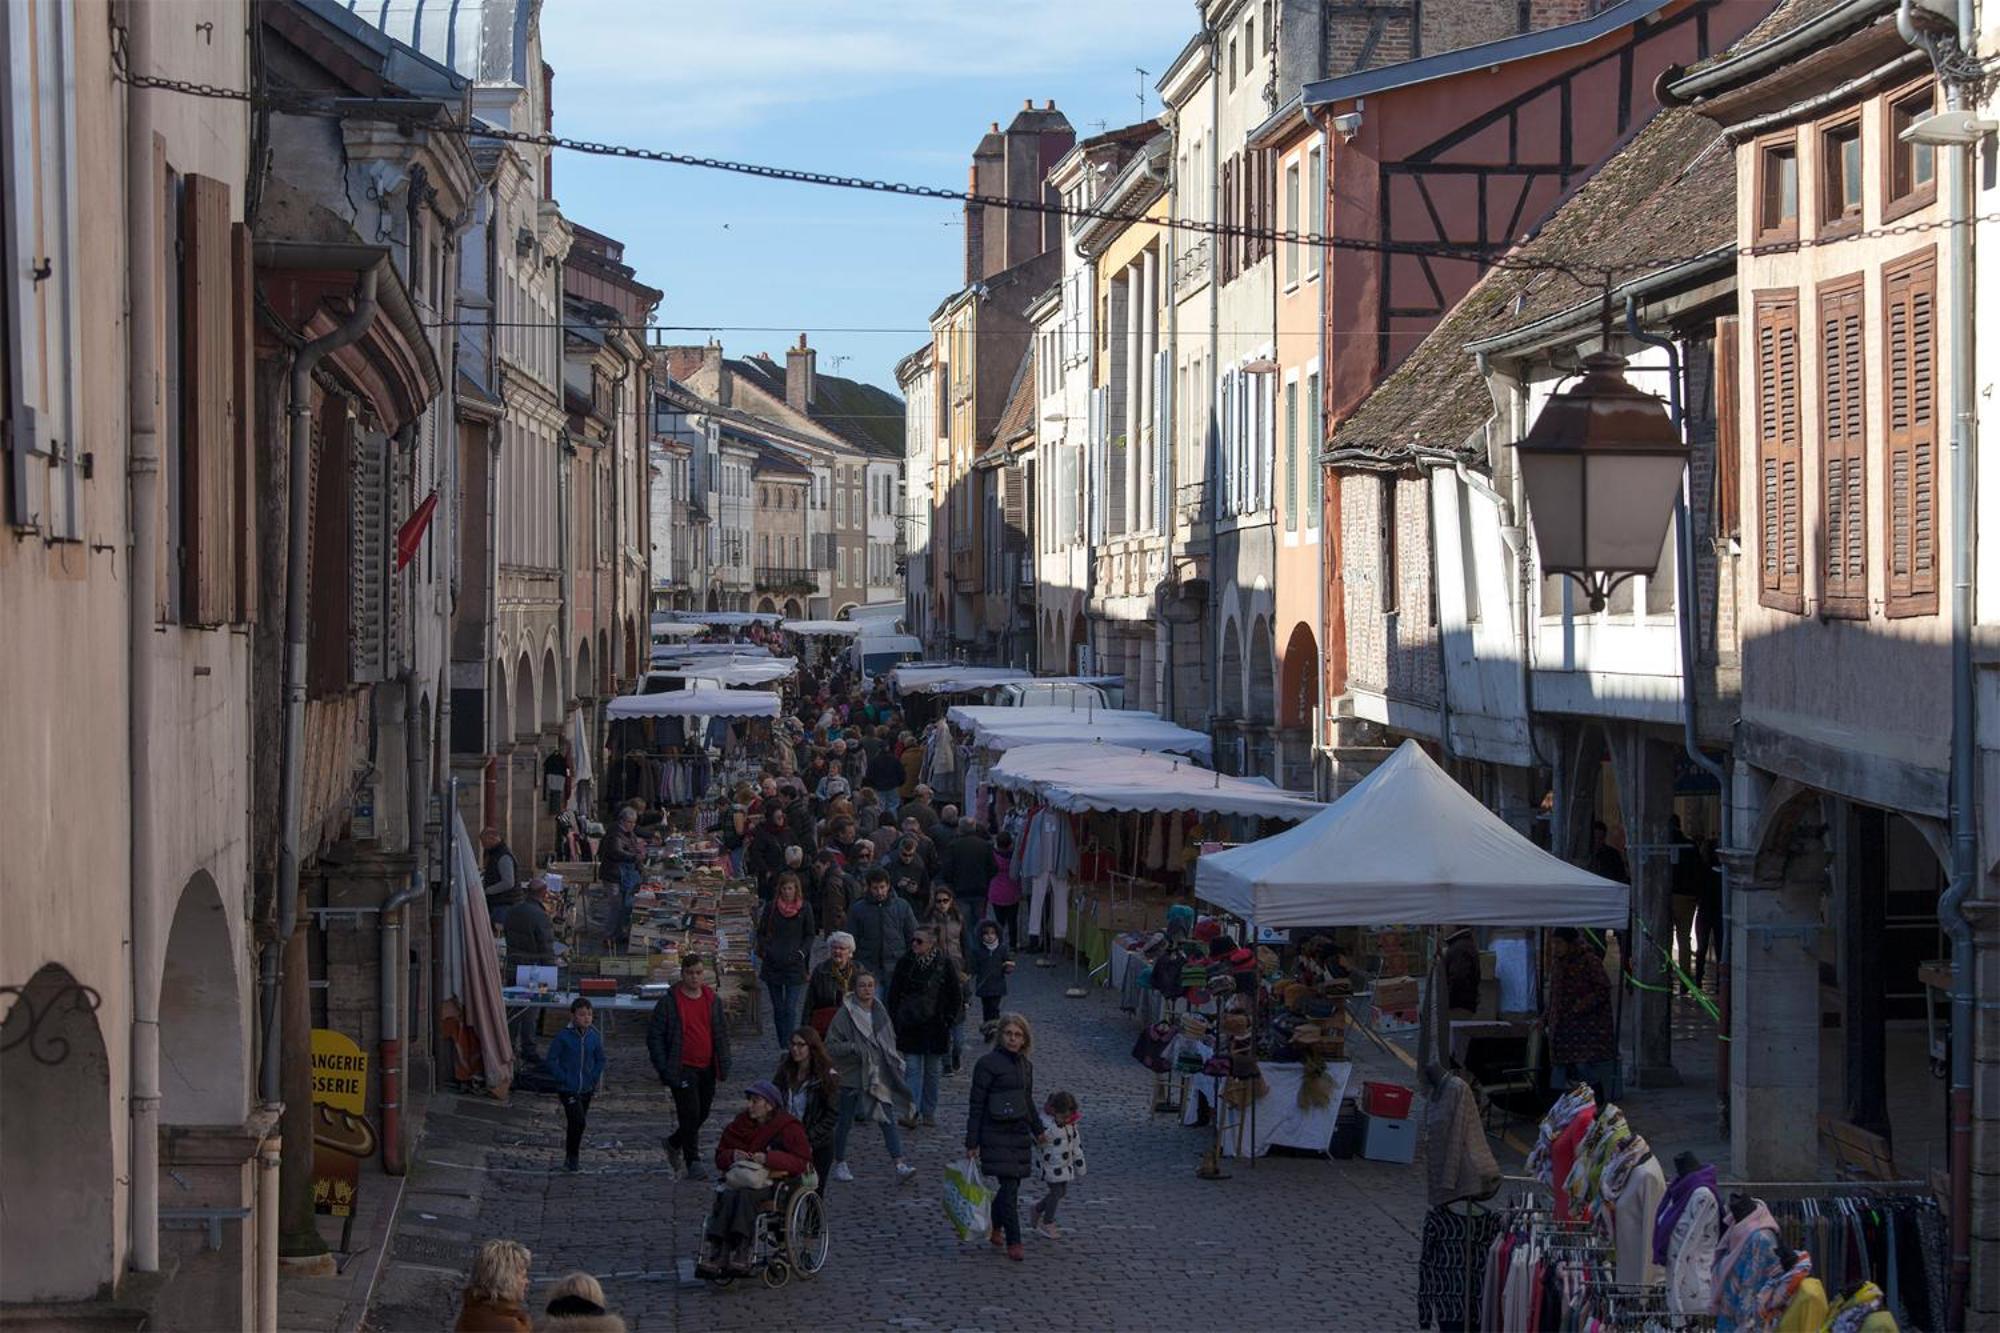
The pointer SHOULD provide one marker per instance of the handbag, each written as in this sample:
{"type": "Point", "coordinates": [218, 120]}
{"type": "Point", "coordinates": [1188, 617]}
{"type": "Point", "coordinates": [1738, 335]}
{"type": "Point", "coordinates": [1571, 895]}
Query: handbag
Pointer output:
{"type": "Point", "coordinates": [748, 1176]}
{"type": "Point", "coordinates": [1005, 1105]}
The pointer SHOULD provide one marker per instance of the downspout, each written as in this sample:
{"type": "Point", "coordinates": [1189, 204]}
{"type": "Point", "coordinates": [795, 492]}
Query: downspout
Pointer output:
{"type": "Point", "coordinates": [299, 507]}
{"type": "Point", "coordinates": [1957, 163]}
{"type": "Point", "coordinates": [1328, 532]}
{"type": "Point", "coordinates": [395, 1162]}
{"type": "Point", "coordinates": [143, 470]}
{"type": "Point", "coordinates": [1687, 619]}
{"type": "Point", "coordinates": [1212, 498]}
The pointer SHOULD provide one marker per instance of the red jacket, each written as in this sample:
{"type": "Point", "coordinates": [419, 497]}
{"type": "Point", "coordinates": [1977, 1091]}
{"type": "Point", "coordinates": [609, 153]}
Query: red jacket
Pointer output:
{"type": "Point", "coordinates": [782, 1140]}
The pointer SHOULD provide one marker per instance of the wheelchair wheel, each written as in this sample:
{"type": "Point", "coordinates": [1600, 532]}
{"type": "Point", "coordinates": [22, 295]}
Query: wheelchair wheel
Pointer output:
{"type": "Point", "coordinates": [805, 1233]}
{"type": "Point", "coordinates": [776, 1274]}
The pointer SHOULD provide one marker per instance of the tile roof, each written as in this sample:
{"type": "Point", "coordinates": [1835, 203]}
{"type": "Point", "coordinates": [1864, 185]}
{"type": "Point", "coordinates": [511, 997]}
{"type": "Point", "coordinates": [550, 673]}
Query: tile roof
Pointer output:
{"type": "Point", "coordinates": [866, 417]}
{"type": "Point", "coordinates": [1017, 418]}
{"type": "Point", "coordinates": [1670, 191]}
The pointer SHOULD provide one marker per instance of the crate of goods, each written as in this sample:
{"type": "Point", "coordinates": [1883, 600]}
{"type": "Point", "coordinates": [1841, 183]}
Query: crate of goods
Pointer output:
{"type": "Point", "coordinates": [1391, 1101]}
{"type": "Point", "coordinates": [1385, 1140]}
{"type": "Point", "coordinates": [1396, 993]}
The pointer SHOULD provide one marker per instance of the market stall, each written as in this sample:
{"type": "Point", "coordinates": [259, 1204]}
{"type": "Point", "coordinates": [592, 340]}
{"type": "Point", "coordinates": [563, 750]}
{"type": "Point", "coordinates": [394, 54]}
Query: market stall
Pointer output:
{"type": "Point", "coordinates": [738, 669]}
{"type": "Point", "coordinates": [702, 701]}
{"type": "Point", "coordinates": [997, 729]}
{"type": "Point", "coordinates": [950, 677]}
{"type": "Point", "coordinates": [822, 629]}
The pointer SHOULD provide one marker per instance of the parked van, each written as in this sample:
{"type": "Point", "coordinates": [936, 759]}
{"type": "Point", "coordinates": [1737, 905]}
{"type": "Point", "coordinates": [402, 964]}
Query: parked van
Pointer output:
{"type": "Point", "coordinates": [875, 655]}
{"type": "Point", "coordinates": [1060, 692]}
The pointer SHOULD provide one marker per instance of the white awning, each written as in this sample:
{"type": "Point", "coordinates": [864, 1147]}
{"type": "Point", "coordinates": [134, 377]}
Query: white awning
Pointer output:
{"type": "Point", "coordinates": [728, 618]}
{"type": "Point", "coordinates": [677, 629]}
{"type": "Point", "coordinates": [1115, 777]}
{"type": "Point", "coordinates": [951, 679]}
{"type": "Point", "coordinates": [699, 702]}
{"type": "Point", "coordinates": [1407, 846]}
{"type": "Point", "coordinates": [667, 654]}
{"type": "Point", "coordinates": [998, 728]}
{"type": "Point", "coordinates": [826, 629]}
{"type": "Point", "coordinates": [732, 670]}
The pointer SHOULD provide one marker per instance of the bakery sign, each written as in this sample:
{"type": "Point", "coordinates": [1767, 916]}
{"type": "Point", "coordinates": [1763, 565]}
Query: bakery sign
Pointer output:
{"type": "Point", "coordinates": [342, 1136]}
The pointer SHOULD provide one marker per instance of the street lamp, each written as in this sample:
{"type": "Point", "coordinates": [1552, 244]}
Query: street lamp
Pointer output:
{"type": "Point", "coordinates": [1601, 468]}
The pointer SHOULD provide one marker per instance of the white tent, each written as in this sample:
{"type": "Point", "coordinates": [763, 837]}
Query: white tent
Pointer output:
{"type": "Point", "coordinates": [822, 629]}
{"type": "Point", "coordinates": [998, 728]}
{"type": "Point", "coordinates": [728, 619]}
{"type": "Point", "coordinates": [677, 629]}
{"type": "Point", "coordinates": [673, 654]}
{"type": "Point", "coordinates": [1094, 776]}
{"type": "Point", "coordinates": [699, 702]}
{"type": "Point", "coordinates": [1406, 847]}
{"type": "Point", "coordinates": [735, 670]}
{"type": "Point", "coordinates": [933, 679]}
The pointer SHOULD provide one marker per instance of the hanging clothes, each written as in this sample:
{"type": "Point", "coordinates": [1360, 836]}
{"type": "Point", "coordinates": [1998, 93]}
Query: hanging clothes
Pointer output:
{"type": "Point", "coordinates": [1632, 1185]}
{"type": "Point", "coordinates": [1685, 1231]}
{"type": "Point", "coordinates": [1746, 1261]}
{"type": "Point", "coordinates": [1453, 1251]}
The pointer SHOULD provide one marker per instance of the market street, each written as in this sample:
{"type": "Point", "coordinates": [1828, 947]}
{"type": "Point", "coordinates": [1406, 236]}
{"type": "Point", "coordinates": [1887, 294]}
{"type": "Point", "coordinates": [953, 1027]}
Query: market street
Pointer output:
{"type": "Point", "coordinates": [1321, 1243]}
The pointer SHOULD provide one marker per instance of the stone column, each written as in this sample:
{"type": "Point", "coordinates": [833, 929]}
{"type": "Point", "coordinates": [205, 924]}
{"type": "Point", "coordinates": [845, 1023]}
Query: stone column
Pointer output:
{"type": "Point", "coordinates": [1135, 381]}
{"type": "Point", "coordinates": [1149, 348]}
{"type": "Point", "coordinates": [1774, 1017]}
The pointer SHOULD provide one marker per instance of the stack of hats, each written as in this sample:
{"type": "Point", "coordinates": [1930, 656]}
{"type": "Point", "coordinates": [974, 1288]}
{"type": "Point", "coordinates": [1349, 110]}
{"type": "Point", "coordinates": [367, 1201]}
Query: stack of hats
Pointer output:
{"type": "Point", "coordinates": [1195, 1026]}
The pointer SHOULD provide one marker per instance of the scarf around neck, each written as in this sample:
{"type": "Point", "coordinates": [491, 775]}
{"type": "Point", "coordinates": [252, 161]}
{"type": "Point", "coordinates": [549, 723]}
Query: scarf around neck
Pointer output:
{"type": "Point", "coordinates": [864, 1019]}
{"type": "Point", "coordinates": [788, 909]}
{"type": "Point", "coordinates": [1776, 1295]}
{"type": "Point", "coordinates": [1675, 1202]}
{"type": "Point", "coordinates": [1737, 1237]}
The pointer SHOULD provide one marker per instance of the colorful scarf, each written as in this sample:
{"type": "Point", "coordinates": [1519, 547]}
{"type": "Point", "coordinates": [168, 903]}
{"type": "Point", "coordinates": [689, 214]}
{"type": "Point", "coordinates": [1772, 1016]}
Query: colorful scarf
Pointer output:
{"type": "Point", "coordinates": [1673, 1203]}
{"type": "Point", "coordinates": [1567, 1108]}
{"type": "Point", "coordinates": [1853, 1310]}
{"type": "Point", "coordinates": [1775, 1295]}
{"type": "Point", "coordinates": [1735, 1241]}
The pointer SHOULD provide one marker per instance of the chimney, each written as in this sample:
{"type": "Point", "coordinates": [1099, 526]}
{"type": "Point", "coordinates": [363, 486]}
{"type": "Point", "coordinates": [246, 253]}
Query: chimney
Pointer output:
{"type": "Point", "coordinates": [799, 362]}
{"type": "Point", "coordinates": [714, 373]}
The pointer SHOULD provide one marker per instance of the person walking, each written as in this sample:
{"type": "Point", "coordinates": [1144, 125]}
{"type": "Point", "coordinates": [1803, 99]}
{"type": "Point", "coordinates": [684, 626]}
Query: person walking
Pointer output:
{"type": "Point", "coordinates": [990, 963]}
{"type": "Point", "coordinates": [531, 942]}
{"type": "Point", "coordinates": [1003, 891]}
{"type": "Point", "coordinates": [764, 854]}
{"type": "Point", "coordinates": [1003, 1124]}
{"type": "Point", "coordinates": [1582, 1043]}
{"type": "Point", "coordinates": [829, 888]}
{"type": "Point", "coordinates": [968, 866]}
{"type": "Point", "coordinates": [618, 861]}
{"type": "Point", "coordinates": [862, 1044]}
{"type": "Point", "coordinates": [812, 1093]}
{"type": "Point", "coordinates": [496, 1293]}
{"type": "Point", "coordinates": [576, 1064]}
{"type": "Point", "coordinates": [929, 1001]}
{"type": "Point", "coordinates": [882, 925]}
{"type": "Point", "coordinates": [1058, 1159]}
{"type": "Point", "coordinates": [884, 775]}
{"type": "Point", "coordinates": [947, 927]}
{"type": "Point", "coordinates": [688, 1040]}
{"type": "Point", "coordinates": [785, 935]}
{"type": "Point", "coordinates": [831, 982]}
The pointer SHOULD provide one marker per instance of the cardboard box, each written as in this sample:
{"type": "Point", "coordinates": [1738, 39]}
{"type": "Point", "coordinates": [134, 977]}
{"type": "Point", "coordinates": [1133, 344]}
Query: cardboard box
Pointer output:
{"type": "Point", "coordinates": [1389, 1140]}
{"type": "Point", "coordinates": [1397, 993]}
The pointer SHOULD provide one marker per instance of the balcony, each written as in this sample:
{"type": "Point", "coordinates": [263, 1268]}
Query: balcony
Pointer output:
{"type": "Point", "coordinates": [783, 578]}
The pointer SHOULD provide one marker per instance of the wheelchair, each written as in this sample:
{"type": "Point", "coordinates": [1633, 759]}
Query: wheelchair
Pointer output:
{"type": "Point", "coordinates": [791, 1236]}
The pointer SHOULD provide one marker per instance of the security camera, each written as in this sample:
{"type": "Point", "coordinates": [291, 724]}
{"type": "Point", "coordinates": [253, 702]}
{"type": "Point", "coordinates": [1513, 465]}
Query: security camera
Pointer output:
{"type": "Point", "coordinates": [1347, 124]}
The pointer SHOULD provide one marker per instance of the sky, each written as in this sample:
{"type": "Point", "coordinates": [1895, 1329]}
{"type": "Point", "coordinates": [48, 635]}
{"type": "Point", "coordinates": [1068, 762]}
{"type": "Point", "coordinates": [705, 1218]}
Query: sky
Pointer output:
{"type": "Point", "coordinates": [882, 89]}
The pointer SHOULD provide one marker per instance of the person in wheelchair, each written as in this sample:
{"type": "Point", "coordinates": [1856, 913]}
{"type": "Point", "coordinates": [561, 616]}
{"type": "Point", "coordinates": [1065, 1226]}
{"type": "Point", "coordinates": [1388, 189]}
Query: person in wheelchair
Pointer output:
{"type": "Point", "coordinates": [763, 1144]}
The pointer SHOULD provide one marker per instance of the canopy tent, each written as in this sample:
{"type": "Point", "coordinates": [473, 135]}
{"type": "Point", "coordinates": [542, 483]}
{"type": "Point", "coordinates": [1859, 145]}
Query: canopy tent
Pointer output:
{"type": "Point", "coordinates": [1093, 776]}
{"type": "Point", "coordinates": [997, 728]}
{"type": "Point", "coordinates": [669, 653]}
{"type": "Point", "coordinates": [822, 629]}
{"type": "Point", "coordinates": [741, 670]}
{"type": "Point", "coordinates": [728, 618]}
{"type": "Point", "coordinates": [676, 629]}
{"type": "Point", "coordinates": [930, 678]}
{"type": "Point", "coordinates": [1407, 846]}
{"type": "Point", "coordinates": [701, 701]}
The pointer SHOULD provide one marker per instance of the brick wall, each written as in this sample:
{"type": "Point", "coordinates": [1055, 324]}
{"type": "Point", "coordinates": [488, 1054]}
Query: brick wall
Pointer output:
{"type": "Point", "coordinates": [1389, 654]}
{"type": "Point", "coordinates": [1365, 34]}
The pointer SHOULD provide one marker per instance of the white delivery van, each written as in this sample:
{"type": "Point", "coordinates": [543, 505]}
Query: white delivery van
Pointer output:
{"type": "Point", "coordinates": [874, 655]}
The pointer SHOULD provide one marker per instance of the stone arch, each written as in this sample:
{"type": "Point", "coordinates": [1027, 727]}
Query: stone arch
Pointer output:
{"type": "Point", "coordinates": [766, 605]}
{"type": "Point", "coordinates": [552, 700]}
{"type": "Point", "coordinates": [846, 609]}
{"type": "Point", "coordinates": [55, 1143]}
{"type": "Point", "coordinates": [1229, 679]}
{"type": "Point", "coordinates": [204, 1064]}
{"type": "Point", "coordinates": [1079, 635]}
{"type": "Point", "coordinates": [499, 704]}
{"type": "Point", "coordinates": [1260, 686]}
{"type": "Point", "coordinates": [586, 680]}
{"type": "Point", "coordinates": [792, 610]}
{"type": "Point", "coordinates": [1299, 677]}
{"type": "Point", "coordinates": [525, 720]}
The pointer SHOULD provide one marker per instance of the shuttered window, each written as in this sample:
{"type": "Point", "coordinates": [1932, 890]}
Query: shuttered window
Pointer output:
{"type": "Point", "coordinates": [1292, 456]}
{"type": "Point", "coordinates": [1781, 519]}
{"type": "Point", "coordinates": [1843, 554]}
{"type": "Point", "coordinates": [1910, 501]}
{"type": "Point", "coordinates": [1728, 429]}
{"type": "Point", "coordinates": [1014, 508]}
{"type": "Point", "coordinates": [1314, 443]}
{"type": "Point", "coordinates": [209, 441]}
{"type": "Point", "coordinates": [1230, 241]}
{"type": "Point", "coordinates": [369, 554]}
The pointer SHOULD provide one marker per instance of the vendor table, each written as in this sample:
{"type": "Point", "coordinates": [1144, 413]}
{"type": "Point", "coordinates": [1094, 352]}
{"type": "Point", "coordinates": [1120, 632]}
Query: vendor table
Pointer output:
{"type": "Point", "coordinates": [1281, 1121]}
{"type": "Point", "coordinates": [519, 1003]}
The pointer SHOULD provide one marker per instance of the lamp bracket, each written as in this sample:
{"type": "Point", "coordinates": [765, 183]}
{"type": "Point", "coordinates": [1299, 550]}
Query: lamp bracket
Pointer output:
{"type": "Point", "coordinates": [1597, 585]}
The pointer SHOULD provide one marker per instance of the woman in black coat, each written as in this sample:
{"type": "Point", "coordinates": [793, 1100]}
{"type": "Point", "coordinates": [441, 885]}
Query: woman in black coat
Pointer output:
{"type": "Point", "coordinates": [926, 1000]}
{"type": "Point", "coordinates": [785, 935]}
{"type": "Point", "coordinates": [1003, 1124]}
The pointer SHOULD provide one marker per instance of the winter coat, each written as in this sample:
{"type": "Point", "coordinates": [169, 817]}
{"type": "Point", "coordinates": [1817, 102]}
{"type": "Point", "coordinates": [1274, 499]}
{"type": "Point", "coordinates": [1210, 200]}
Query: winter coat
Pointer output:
{"type": "Point", "coordinates": [531, 937]}
{"type": "Point", "coordinates": [576, 1059]}
{"type": "Point", "coordinates": [968, 864]}
{"type": "Point", "coordinates": [881, 933]}
{"type": "Point", "coordinates": [988, 968]}
{"type": "Point", "coordinates": [1004, 890]}
{"type": "Point", "coordinates": [825, 988]}
{"type": "Point", "coordinates": [1059, 1160]}
{"type": "Point", "coordinates": [911, 880]}
{"type": "Point", "coordinates": [819, 1108]}
{"type": "Point", "coordinates": [782, 1140]}
{"type": "Point", "coordinates": [1461, 971]}
{"type": "Point", "coordinates": [829, 891]}
{"type": "Point", "coordinates": [913, 770]}
{"type": "Point", "coordinates": [492, 1317]}
{"type": "Point", "coordinates": [1580, 1016]}
{"type": "Point", "coordinates": [663, 1038]}
{"type": "Point", "coordinates": [948, 930]}
{"type": "Point", "coordinates": [577, 1315]}
{"type": "Point", "coordinates": [784, 943]}
{"type": "Point", "coordinates": [928, 1001]}
{"type": "Point", "coordinates": [765, 857]}
{"type": "Point", "coordinates": [1006, 1147]}
{"type": "Point", "coordinates": [884, 772]}
{"type": "Point", "coordinates": [867, 1060]}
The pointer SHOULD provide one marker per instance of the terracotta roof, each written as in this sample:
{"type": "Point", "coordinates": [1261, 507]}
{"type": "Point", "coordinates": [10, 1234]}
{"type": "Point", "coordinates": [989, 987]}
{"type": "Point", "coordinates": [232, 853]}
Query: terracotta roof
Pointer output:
{"type": "Point", "coordinates": [1017, 418]}
{"type": "Point", "coordinates": [866, 417]}
{"type": "Point", "coordinates": [1670, 191]}
{"type": "Point", "coordinates": [771, 461]}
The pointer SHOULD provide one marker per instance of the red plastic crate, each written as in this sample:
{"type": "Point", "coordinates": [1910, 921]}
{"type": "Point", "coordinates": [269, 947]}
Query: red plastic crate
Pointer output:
{"type": "Point", "coordinates": [1389, 1101]}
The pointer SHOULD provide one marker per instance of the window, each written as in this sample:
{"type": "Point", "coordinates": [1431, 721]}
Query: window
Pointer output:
{"type": "Point", "coordinates": [1909, 346]}
{"type": "Point", "coordinates": [1314, 441]}
{"type": "Point", "coordinates": [1292, 224]}
{"type": "Point", "coordinates": [1778, 189]}
{"type": "Point", "coordinates": [1843, 452]}
{"type": "Point", "coordinates": [1467, 558]}
{"type": "Point", "coordinates": [1780, 524]}
{"type": "Point", "coordinates": [1912, 167]}
{"type": "Point", "coordinates": [1728, 429]}
{"type": "Point", "coordinates": [1315, 208]}
{"type": "Point", "coordinates": [1840, 177]}
{"type": "Point", "coordinates": [1292, 456]}
{"type": "Point", "coordinates": [1386, 566]}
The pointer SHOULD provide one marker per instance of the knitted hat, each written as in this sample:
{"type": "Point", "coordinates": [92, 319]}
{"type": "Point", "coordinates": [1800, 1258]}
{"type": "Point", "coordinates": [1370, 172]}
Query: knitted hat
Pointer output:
{"type": "Point", "coordinates": [768, 1090]}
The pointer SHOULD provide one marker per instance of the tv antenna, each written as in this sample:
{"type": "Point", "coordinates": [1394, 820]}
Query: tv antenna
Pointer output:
{"type": "Point", "coordinates": [1143, 75]}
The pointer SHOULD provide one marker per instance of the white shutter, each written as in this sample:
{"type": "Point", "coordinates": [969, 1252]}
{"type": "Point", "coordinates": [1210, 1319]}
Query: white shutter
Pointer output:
{"type": "Point", "coordinates": [368, 546]}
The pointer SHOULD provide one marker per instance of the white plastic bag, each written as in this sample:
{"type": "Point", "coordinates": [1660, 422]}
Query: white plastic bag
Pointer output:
{"type": "Point", "coordinates": [968, 1199]}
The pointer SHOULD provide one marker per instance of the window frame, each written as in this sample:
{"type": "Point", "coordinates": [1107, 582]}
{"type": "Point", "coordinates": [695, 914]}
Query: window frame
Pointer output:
{"type": "Point", "coordinates": [1894, 150]}
{"type": "Point", "coordinates": [1838, 598]}
{"type": "Point", "coordinates": [1834, 217]}
{"type": "Point", "coordinates": [1388, 554]}
{"type": "Point", "coordinates": [1763, 231]}
{"type": "Point", "coordinates": [1315, 208]}
{"type": "Point", "coordinates": [1293, 267]}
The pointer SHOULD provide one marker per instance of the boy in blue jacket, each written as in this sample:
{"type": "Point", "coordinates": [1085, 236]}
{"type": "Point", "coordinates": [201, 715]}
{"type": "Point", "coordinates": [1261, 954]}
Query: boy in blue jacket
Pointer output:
{"type": "Point", "coordinates": [576, 1063]}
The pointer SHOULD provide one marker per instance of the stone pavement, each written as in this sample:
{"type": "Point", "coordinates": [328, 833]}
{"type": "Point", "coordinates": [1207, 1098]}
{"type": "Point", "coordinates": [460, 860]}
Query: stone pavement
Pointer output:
{"type": "Point", "coordinates": [1291, 1242]}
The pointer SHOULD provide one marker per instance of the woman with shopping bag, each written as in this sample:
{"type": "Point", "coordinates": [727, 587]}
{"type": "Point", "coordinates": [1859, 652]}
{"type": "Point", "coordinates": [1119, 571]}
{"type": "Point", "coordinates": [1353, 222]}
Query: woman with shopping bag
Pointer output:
{"type": "Point", "coordinates": [1003, 1124]}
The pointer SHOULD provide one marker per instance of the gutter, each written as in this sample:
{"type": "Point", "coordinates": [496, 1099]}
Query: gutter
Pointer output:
{"type": "Point", "coordinates": [1737, 70]}
{"type": "Point", "coordinates": [1549, 328]}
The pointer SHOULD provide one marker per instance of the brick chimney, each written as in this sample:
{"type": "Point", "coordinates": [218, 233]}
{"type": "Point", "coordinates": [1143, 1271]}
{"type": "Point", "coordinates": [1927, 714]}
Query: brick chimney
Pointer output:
{"type": "Point", "coordinates": [799, 366]}
{"type": "Point", "coordinates": [714, 374]}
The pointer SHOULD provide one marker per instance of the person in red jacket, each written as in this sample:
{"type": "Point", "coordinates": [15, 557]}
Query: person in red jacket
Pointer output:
{"type": "Point", "coordinates": [765, 1135]}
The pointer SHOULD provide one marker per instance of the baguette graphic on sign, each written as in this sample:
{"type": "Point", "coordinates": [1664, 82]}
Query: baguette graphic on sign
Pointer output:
{"type": "Point", "coordinates": [342, 1135]}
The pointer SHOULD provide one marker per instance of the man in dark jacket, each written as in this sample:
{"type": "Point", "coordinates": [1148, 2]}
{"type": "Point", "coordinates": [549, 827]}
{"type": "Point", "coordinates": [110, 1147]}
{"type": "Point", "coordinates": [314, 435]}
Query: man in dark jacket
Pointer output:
{"type": "Point", "coordinates": [531, 942]}
{"type": "Point", "coordinates": [885, 774]}
{"type": "Point", "coordinates": [1461, 971]}
{"type": "Point", "coordinates": [765, 857]}
{"type": "Point", "coordinates": [829, 889]}
{"type": "Point", "coordinates": [969, 867]}
{"type": "Point", "coordinates": [882, 925]}
{"type": "Point", "coordinates": [909, 876]}
{"type": "Point", "coordinates": [688, 1040]}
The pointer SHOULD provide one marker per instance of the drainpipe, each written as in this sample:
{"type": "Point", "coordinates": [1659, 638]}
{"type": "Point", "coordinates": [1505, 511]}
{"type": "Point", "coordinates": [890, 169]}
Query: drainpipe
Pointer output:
{"type": "Point", "coordinates": [143, 469]}
{"type": "Point", "coordinates": [1327, 531]}
{"type": "Point", "coordinates": [1956, 161]}
{"type": "Point", "coordinates": [394, 928]}
{"type": "Point", "coordinates": [1687, 605]}
{"type": "Point", "coordinates": [1213, 499]}
{"type": "Point", "coordinates": [299, 507]}
{"type": "Point", "coordinates": [269, 1157]}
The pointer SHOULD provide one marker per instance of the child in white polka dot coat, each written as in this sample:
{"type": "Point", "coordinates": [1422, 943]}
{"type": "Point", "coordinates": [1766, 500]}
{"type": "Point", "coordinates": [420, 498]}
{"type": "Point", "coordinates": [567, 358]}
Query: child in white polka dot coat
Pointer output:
{"type": "Point", "coordinates": [1058, 1158]}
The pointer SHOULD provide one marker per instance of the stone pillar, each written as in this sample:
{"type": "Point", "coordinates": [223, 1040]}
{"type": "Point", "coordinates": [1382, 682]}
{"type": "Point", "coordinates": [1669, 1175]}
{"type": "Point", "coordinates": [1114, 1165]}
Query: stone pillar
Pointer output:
{"type": "Point", "coordinates": [1135, 380]}
{"type": "Point", "coordinates": [1774, 1020]}
{"type": "Point", "coordinates": [1149, 348]}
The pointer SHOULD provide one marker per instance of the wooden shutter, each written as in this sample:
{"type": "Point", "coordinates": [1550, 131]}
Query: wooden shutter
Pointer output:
{"type": "Point", "coordinates": [1781, 519]}
{"type": "Point", "coordinates": [244, 388]}
{"type": "Point", "coordinates": [1909, 343]}
{"type": "Point", "coordinates": [1014, 508]}
{"type": "Point", "coordinates": [1728, 430]}
{"type": "Point", "coordinates": [1843, 451]}
{"type": "Point", "coordinates": [369, 556]}
{"type": "Point", "coordinates": [209, 440]}
{"type": "Point", "coordinates": [1232, 238]}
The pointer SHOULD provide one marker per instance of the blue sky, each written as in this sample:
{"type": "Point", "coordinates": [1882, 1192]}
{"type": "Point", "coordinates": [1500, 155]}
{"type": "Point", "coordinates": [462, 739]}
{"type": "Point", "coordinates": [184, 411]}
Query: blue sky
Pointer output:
{"type": "Point", "coordinates": [884, 89]}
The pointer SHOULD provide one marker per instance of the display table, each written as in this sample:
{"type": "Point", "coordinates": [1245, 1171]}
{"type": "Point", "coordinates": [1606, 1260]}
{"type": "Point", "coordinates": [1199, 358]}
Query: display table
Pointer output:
{"type": "Point", "coordinates": [1280, 1120]}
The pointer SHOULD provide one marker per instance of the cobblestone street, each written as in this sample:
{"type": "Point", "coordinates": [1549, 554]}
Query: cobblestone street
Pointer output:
{"type": "Point", "coordinates": [1290, 1243]}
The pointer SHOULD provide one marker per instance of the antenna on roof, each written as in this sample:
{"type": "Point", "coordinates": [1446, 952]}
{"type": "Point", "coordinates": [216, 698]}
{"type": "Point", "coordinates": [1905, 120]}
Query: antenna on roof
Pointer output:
{"type": "Point", "coordinates": [1143, 74]}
